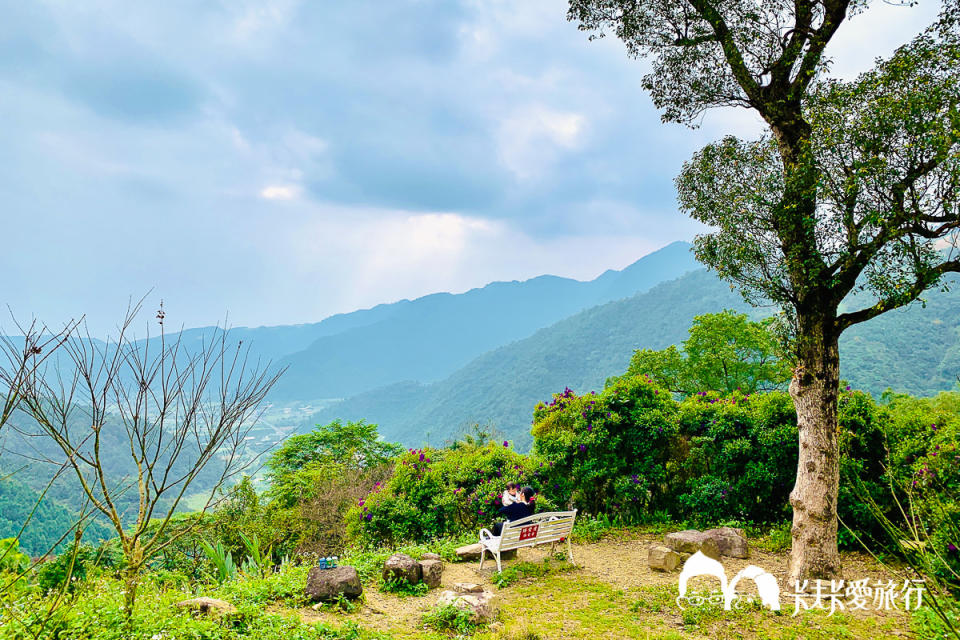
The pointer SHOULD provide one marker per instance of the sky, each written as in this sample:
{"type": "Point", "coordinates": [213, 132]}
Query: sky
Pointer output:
{"type": "Point", "coordinates": [278, 161]}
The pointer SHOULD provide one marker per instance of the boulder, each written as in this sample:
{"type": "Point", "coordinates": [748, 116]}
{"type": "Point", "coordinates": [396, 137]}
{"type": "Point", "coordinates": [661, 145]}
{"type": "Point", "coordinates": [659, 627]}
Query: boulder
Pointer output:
{"type": "Point", "coordinates": [324, 585]}
{"type": "Point", "coordinates": [469, 552]}
{"type": "Point", "coordinates": [467, 587]}
{"type": "Point", "coordinates": [472, 552]}
{"type": "Point", "coordinates": [480, 605]}
{"type": "Point", "coordinates": [691, 541]}
{"type": "Point", "coordinates": [431, 572]}
{"type": "Point", "coordinates": [663, 558]}
{"type": "Point", "coordinates": [431, 556]}
{"type": "Point", "coordinates": [731, 542]}
{"type": "Point", "coordinates": [400, 566]}
{"type": "Point", "coordinates": [207, 605]}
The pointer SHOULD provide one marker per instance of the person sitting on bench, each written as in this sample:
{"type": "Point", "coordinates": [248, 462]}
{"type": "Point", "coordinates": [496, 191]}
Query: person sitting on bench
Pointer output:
{"type": "Point", "coordinates": [518, 510]}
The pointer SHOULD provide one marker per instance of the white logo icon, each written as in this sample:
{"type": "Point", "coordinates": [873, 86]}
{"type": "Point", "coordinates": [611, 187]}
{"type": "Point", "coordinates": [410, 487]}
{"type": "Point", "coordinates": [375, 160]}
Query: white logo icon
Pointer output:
{"type": "Point", "coordinates": [700, 565]}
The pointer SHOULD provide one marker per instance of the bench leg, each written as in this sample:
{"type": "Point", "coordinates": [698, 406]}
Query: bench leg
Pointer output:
{"type": "Point", "coordinates": [499, 568]}
{"type": "Point", "coordinates": [483, 552]}
{"type": "Point", "coordinates": [569, 549]}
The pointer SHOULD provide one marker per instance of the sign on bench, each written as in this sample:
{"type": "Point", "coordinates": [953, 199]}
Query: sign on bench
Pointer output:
{"type": "Point", "coordinates": [540, 528]}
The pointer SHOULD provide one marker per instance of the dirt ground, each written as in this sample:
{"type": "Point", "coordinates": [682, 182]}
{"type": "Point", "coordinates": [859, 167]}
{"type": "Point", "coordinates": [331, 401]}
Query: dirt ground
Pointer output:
{"type": "Point", "coordinates": [620, 563]}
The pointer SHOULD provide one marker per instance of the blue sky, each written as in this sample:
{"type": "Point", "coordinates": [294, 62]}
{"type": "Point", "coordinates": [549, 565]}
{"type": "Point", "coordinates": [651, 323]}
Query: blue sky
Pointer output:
{"type": "Point", "coordinates": [281, 160]}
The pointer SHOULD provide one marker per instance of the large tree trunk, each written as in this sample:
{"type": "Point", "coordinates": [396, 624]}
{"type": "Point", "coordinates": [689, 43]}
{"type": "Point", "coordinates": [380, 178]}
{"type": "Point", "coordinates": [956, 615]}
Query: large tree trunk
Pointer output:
{"type": "Point", "coordinates": [814, 389]}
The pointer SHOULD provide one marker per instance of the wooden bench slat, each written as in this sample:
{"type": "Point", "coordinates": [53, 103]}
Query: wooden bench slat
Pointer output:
{"type": "Point", "coordinates": [539, 528]}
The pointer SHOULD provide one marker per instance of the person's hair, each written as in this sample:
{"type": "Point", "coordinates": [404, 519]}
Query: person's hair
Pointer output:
{"type": "Point", "coordinates": [512, 485]}
{"type": "Point", "coordinates": [527, 492]}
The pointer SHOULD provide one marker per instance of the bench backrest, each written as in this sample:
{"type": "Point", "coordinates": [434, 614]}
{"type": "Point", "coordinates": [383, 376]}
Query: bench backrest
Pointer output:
{"type": "Point", "coordinates": [537, 529]}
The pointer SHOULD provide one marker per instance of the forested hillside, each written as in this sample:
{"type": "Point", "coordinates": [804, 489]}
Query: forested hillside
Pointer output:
{"type": "Point", "coordinates": [914, 350]}
{"type": "Point", "coordinates": [433, 336]}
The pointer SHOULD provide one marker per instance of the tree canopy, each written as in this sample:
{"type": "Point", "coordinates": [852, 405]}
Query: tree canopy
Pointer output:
{"type": "Point", "coordinates": [725, 352]}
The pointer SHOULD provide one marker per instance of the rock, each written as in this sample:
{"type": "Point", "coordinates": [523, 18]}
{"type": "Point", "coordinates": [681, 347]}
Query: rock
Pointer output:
{"type": "Point", "coordinates": [467, 587]}
{"type": "Point", "coordinates": [207, 605]}
{"type": "Point", "coordinates": [431, 556]}
{"type": "Point", "coordinates": [472, 552]}
{"type": "Point", "coordinates": [469, 552]}
{"type": "Point", "coordinates": [431, 572]}
{"type": "Point", "coordinates": [324, 585]}
{"type": "Point", "coordinates": [480, 605]}
{"type": "Point", "coordinates": [691, 541]}
{"type": "Point", "coordinates": [663, 558]}
{"type": "Point", "coordinates": [731, 542]}
{"type": "Point", "coordinates": [400, 566]}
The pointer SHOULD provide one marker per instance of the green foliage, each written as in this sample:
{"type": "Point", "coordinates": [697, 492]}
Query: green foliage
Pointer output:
{"type": "Point", "coordinates": [77, 564]}
{"type": "Point", "coordinates": [438, 492]}
{"type": "Point", "coordinates": [608, 452]}
{"type": "Point", "coordinates": [37, 517]}
{"type": "Point", "coordinates": [259, 560]}
{"type": "Point", "coordinates": [633, 454]}
{"type": "Point", "coordinates": [403, 588]}
{"type": "Point", "coordinates": [11, 558]}
{"type": "Point", "coordinates": [94, 613]}
{"type": "Point", "coordinates": [368, 560]}
{"type": "Point", "coordinates": [449, 618]}
{"type": "Point", "coordinates": [325, 450]}
{"type": "Point", "coordinates": [725, 352]}
{"type": "Point", "coordinates": [222, 560]}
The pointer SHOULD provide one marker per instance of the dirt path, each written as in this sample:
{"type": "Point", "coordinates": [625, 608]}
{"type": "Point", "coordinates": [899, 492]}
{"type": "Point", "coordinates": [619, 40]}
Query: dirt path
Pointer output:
{"type": "Point", "coordinates": [620, 563]}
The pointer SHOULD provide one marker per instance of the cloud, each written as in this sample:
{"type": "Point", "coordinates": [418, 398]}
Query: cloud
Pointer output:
{"type": "Point", "coordinates": [279, 192]}
{"type": "Point", "coordinates": [531, 138]}
{"type": "Point", "coordinates": [415, 146]}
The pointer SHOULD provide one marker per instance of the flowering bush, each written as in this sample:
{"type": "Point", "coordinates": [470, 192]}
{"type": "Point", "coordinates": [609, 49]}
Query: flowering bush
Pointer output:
{"type": "Point", "coordinates": [609, 452]}
{"type": "Point", "coordinates": [435, 492]}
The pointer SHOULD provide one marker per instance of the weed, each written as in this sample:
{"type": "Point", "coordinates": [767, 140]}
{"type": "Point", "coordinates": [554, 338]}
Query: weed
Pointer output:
{"type": "Point", "coordinates": [403, 588]}
{"type": "Point", "coordinates": [450, 618]}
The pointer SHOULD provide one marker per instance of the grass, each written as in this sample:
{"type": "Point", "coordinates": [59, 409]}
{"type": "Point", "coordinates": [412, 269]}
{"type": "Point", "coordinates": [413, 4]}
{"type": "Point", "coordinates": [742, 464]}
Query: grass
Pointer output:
{"type": "Point", "coordinates": [515, 573]}
{"type": "Point", "coordinates": [448, 618]}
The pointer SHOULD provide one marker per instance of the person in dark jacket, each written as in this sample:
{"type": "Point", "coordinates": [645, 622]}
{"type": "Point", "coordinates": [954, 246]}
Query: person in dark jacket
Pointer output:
{"type": "Point", "coordinates": [517, 510]}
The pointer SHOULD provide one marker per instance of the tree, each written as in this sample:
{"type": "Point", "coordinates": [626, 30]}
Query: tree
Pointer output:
{"type": "Point", "coordinates": [354, 445]}
{"type": "Point", "coordinates": [178, 412]}
{"type": "Point", "coordinates": [725, 352]}
{"type": "Point", "coordinates": [851, 191]}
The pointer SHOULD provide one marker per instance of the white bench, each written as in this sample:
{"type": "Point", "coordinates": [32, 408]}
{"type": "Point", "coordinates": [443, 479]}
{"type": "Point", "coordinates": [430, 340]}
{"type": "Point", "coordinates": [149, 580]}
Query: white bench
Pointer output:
{"type": "Point", "coordinates": [540, 528]}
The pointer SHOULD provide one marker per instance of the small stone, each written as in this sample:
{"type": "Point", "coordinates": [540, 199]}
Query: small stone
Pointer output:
{"type": "Point", "coordinates": [400, 566]}
{"type": "Point", "coordinates": [324, 585]}
{"type": "Point", "coordinates": [731, 542]}
{"type": "Point", "coordinates": [467, 587]}
{"type": "Point", "coordinates": [431, 556]}
{"type": "Point", "coordinates": [431, 571]}
{"type": "Point", "coordinates": [691, 541]}
{"type": "Point", "coordinates": [663, 558]}
{"type": "Point", "coordinates": [207, 605]}
{"type": "Point", "coordinates": [480, 605]}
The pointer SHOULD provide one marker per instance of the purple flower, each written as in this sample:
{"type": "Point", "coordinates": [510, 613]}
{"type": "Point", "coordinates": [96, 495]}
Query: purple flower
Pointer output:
{"type": "Point", "coordinates": [369, 517]}
{"type": "Point", "coordinates": [848, 387]}
{"type": "Point", "coordinates": [951, 546]}
{"type": "Point", "coordinates": [506, 444]}
{"type": "Point", "coordinates": [583, 447]}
